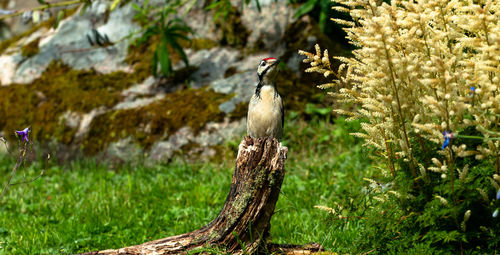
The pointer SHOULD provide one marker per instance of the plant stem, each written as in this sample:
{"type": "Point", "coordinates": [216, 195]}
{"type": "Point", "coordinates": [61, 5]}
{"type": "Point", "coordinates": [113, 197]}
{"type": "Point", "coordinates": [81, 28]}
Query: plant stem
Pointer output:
{"type": "Point", "coordinates": [19, 162]}
{"type": "Point", "coordinates": [43, 7]}
{"type": "Point", "coordinates": [477, 137]}
{"type": "Point", "coordinates": [401, 117]}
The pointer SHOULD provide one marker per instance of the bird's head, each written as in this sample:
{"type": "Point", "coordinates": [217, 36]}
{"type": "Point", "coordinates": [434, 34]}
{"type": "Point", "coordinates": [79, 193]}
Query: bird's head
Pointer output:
{"type": "Point", "coordinates": [268, 69]}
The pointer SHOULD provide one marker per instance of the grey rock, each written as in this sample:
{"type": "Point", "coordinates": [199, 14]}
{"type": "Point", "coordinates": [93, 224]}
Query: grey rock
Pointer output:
{"type": "Point", "coordinates": [227, 107]}
{"type": "Point", "coordinates": [212, 134]}
{"type": "Point", "coordinates": [139, 102]}
{"type": "Point", "coordinates": [294, 63]}
{"type": "Point", "coordinates": [146, 88]}
{"type": "Point", "coordinates": [212, 64]}
{"type": "Point", "coordinates": [71, 119]}
{"type": "Point", "coordinates": [241, 84]}
{"type": "Point", "coordinates": [9, 65]}
{"type": "Point", "coordinates": [3, 144]}
{"type": "Point", "coordinates": [164, 150]}
{"type": "Point", "coordinates": [217, 133]}
{"type": "Point", "coordinates": [268, 25]}
{"type": "Point", "coordinates": [125, 150]}
{"type": "Point", "coordinates": [69, 43]}
{"type": "Point", "coordinates": [86, 119]}
{"type": "Point", "coordinates": [251, 62]}
{"type": "Point", "coordinates": [200, 21]}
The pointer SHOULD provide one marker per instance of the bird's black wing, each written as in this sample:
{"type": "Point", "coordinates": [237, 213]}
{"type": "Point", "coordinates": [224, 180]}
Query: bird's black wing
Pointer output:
{"type": "Point", "coordinates": [282, 115]}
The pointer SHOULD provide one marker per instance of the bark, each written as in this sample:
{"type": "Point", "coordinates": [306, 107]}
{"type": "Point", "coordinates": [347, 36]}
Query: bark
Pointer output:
{"type": "Point", "coordinates": [246, 214]}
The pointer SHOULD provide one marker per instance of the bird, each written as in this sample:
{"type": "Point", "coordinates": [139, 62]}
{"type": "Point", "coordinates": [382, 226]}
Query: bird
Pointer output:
{"type": "Point", "coordinates": [266, 115]}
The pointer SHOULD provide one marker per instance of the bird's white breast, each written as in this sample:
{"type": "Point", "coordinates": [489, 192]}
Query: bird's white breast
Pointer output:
{"type": "Point", "coordinates": [264, 115]}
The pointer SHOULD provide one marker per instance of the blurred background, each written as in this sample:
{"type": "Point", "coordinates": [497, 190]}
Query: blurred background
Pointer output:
{"type": "Point", "coordinates": [127, 79]}
{"type": "Point", "coordinates": [135, 111]}
{"type": "Point", "coordinates": [141, 106]}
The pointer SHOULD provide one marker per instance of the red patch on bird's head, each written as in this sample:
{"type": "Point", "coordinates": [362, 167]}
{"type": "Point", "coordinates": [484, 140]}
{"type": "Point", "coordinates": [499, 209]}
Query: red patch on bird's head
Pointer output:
{"type": "Point", "coordinates": [266, 59]}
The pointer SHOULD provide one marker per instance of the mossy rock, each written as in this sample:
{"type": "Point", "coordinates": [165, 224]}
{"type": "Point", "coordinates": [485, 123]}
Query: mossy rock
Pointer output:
{"type": "Point", "coordinates": [199, 44]}
{"type": "Point", "coordinates": [151, 123]}
{"type": "Point", "coordinates": [44, 103]}
{"type": "Point", "coordinates": [30, 49]}
{"type": "Point", "coordinates": [59, 89]}
{"type": "Point", "coordinates": [233, 32]}
{"type": "Point", "coordinates": [4, 45]}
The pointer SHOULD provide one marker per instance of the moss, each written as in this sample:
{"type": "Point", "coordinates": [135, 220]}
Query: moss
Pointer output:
{"type": "Point", "coordinates": [298, 91]}
{"type": "Point", "coordinates": [140, 56]}
{"type": "Point", "coordinates": [230, 71]}
{"type": "Point", "coordinates": [42, 103]}
{"type": "Point", "coordinates": [59, 89]}
{"type": "Point", "coordinates": [148, 124]}
{"type": "Point", "coordinates": [182, 74]}
{"type": "Point", "coordinates": [240, 111]}
{"type": "Point", "coordinates": [199, 44]}
{"type": "Point", "coordinates": [30, 49]}
{"type": "Point", "coordinates": [233, 32]}
{"type": "Point", "coordinates": [11, 41]}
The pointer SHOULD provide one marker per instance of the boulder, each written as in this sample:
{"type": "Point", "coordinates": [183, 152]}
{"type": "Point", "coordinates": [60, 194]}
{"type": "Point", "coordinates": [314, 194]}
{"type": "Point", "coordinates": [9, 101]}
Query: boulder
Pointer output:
{"type": "Point", "coordinates": [124, 112]}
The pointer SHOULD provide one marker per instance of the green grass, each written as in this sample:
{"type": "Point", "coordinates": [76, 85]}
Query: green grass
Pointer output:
{"type": "Point", "coordinates": [83, 206]}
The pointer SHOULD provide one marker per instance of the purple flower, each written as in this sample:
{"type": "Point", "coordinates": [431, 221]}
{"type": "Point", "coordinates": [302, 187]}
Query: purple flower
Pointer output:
{"type": "Point", "coordinates": [473, 89]}
{"type": "Point", "coordinates": [498, 194]}
{"type": "Point", "coordinates": [495, 213]}
{"type": "Point", "coordinates": [447, 137]}
{"type": "Point", "coordinates": [23, 134]}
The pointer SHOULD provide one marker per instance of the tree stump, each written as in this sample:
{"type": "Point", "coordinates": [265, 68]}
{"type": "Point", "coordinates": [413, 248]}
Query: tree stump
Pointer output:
{"type": "Point", "coordinates": [246, 214]}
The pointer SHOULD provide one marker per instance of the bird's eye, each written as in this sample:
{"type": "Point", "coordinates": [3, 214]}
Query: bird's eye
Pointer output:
{"type": "Point", "coordinates": [263, 63]}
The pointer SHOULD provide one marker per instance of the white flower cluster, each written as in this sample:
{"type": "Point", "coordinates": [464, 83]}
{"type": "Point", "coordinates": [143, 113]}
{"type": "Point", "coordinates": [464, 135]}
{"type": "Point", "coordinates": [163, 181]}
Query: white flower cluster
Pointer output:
{"type": "Point", "coordinates": [421, 68]}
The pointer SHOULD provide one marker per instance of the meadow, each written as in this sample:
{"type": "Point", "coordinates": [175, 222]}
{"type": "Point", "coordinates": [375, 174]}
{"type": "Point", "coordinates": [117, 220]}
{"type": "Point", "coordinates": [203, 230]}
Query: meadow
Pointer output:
{"type": "Point", "coordinates": [84, 205]}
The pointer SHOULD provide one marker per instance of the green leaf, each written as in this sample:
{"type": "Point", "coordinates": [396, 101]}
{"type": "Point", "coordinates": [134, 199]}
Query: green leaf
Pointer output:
{"type": "Point", "coordinates": [59, 17]}
{"type": "Point", "coordinates": [136, 7]}
{"type": "Point", "coordinates": [177, 36]}
{"type": "Point", "coordinates": [155, 63]}
{"type": "Point", "coordinates": [305, 8]}
{"type": "Point", "coordinates": [43, 2]}
{"type": "Point", "coordinates": [221, 7]}
{"type": "Point", "coordinates": [164, 57]}
{"type": "Point", "coordinates": [322, 21]}
{"type": "Point", "coordinates": [258, 5]}
{"type": "Point", "coordinates": [313, 109]}
{"type": "Point", "coordinates": [213, 5]}
{"type": "Point", "coordinates": [84, 8]}
{"type": "Point", "coordinates": [181, 52]}
{"type": "Point", "coordinates": [114, 5]}
{"type": "Point", "coordinates": [326, 6]}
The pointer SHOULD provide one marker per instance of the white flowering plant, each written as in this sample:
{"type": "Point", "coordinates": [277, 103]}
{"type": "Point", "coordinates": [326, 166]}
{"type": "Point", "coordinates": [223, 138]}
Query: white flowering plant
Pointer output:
{"type": "Point", "coordinates": [425, 76]}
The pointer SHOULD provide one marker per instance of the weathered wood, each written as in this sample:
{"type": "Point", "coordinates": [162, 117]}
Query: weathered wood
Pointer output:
{"type": "Point", "coordinates": [246, 214]}
{"type": "Point", "coordinates": [293, 249]}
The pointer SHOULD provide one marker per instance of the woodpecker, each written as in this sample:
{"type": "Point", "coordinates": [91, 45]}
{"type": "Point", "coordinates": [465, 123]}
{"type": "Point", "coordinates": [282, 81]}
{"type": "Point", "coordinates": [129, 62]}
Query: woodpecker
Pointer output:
{"type": "Point", "coordinates": [265, 110]}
